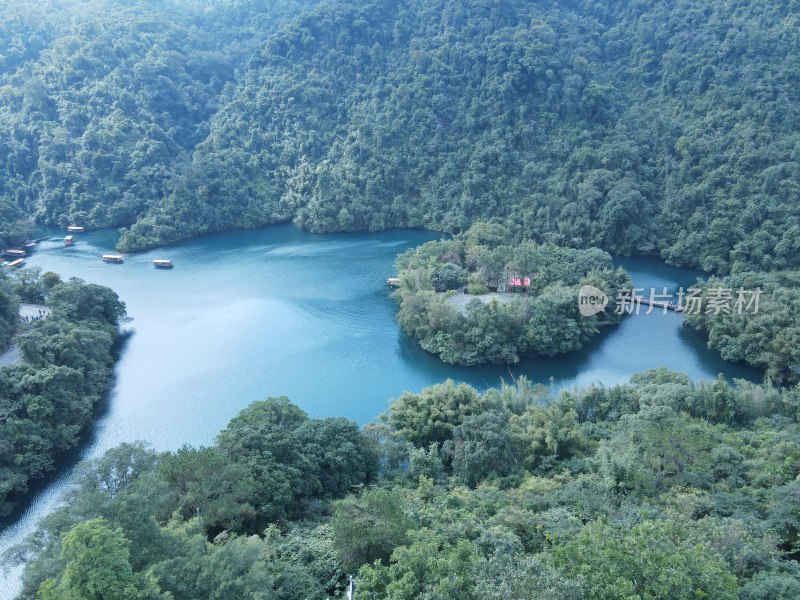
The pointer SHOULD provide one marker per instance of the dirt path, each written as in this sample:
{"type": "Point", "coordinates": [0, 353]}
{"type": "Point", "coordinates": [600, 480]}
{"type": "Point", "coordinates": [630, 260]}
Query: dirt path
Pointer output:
{"type": "Point", "coordinates": [33, 311]}
{"type": "Point", "coordinates": [460, 301]}
{"type": "Point", "coordinates": [10, 356]}
{"type": "Point", "coordinates": [27, 312]}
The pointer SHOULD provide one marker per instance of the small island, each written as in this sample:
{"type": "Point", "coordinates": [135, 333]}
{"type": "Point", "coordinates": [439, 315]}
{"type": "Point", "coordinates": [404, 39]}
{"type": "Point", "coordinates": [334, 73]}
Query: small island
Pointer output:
{"type": "Point", "coordinates": [485, 297]}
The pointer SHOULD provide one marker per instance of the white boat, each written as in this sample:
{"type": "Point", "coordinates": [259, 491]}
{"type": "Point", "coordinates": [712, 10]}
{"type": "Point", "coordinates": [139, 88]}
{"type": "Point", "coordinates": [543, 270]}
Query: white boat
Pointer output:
{"type": "Point", "coordinates": [15, 264]}
{"type": "Point", "coordinates": [162, 263]}
{"type": "Point", "coordinates": [113, 258]}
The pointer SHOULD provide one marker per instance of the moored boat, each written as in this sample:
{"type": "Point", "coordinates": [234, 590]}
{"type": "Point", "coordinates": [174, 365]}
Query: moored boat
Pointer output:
{"type": "Point", "coordinates": [16, 253]}
{"type": "Point", "coordinates": [162, 263]}
{"type": "Point", "coordinates": [76, 228]}
{"type": "Point", "coordinates": [113, 258]}
{"type": "Point", "coordinates": [15, 263]}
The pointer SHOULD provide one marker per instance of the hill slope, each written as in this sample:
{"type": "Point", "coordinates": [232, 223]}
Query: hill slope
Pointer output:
{"type": "Point", "coordinates": [661, 127]}
{"type": "Point", "coordinates": [101, 103]}
{"type": "Point", "coordinates": [668, 127]}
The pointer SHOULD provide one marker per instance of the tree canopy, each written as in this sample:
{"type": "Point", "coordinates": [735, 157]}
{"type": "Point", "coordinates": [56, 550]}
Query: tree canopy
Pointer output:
{"type": "Point", "coordinates": [659, 488]}
{"type": "Point", "coordinates": [47, 400]}
{"type": "Point", "coordinates": [763, 330]}
{"type": "Point", "coordinates": [664, 127]}
{"type": "Point", "coordinates": [576, 123]}
{"type": "Point", "coordinates": [542, 318]}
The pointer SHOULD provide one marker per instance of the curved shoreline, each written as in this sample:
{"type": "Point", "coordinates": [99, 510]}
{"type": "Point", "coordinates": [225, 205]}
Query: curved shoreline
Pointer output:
{"type": "Point", "coordinates": [241, 324]}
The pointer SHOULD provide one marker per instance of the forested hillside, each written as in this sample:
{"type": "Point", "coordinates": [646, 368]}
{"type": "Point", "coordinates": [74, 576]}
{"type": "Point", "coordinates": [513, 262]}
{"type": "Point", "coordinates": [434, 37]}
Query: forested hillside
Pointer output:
{"type": "Point", "coordinates": [658, 127]}
{"type": "Point", "coordinates": [545, 135]}
{"type": "Point", "coordinates": [102, 102]}
{"type": "Point", "coordinates": [655, 489]}
{"type": "Point", "coordinates": [638, 127]}
{"type": "Point", "coordinates": [768, 338]}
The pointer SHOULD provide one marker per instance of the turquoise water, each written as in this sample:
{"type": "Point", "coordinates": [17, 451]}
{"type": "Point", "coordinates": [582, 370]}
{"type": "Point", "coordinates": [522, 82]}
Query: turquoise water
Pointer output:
{"type": "Point", "coordinates": [278, 311]}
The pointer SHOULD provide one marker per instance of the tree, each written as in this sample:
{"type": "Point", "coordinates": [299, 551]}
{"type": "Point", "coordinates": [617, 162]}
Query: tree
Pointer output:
{"type": "Point", "coordinates": [78, 301]}
{"type": "Point", "coordinates": [98, 566]}
{"type": "Point", "coordinates": [651, 560]}
{"type": "Point", "coordinates": [482, 448]}
{"type": "Point", "coordinates": [428, 567]}
{"type": "Point", "coordinates": [545, 321]}
{"type": "Point", "coordinates": [221, 493]}
{"type": "Point", "coordinates": [369, 527]}
{"type": "Point", "coordinates": [47, 398]}
{"type": "Point", "coordinates": [503, 576]}
{"type": "Point", "coordinates": [29, 285]}
{"type": "Point", "coordinates": [448, 277]}
{"type": "Point", "coordinates": [118, 469]}
{"type": "Point", "coordinates": [551, 432]}
{"type": "Point", "coordinates": [9, 313]}
{"type": "Point", "coordinates": [431, 416]}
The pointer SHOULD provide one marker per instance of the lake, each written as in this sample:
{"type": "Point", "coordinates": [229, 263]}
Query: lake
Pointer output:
{"type": "Point", "coordinates": [278, 311]}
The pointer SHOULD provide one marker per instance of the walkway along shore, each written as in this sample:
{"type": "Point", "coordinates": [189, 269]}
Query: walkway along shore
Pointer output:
{"type": "Point", "coordinates": [27, 314]}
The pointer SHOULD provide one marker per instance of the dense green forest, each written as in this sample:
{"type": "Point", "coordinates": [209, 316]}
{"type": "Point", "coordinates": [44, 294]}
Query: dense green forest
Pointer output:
{"type": "Point", "coordinates": [666, 128]}
{"type": "Point", "coordinates": [659, 488]}
{"type": "Point", "coordinates": [769, 337]}
{"type": "Point", "coordinates": [102, 102]}
{"type": "Point", "coordinates": [638, 127]}
{"type": "Point", "coordinates": [538, 316]}
{"type": "Point", "coordinates": [47, 399]}
{"type": "Point", "coordinates": [9, 311]}
{"type": "Point", "coordinates": [543, 135]}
